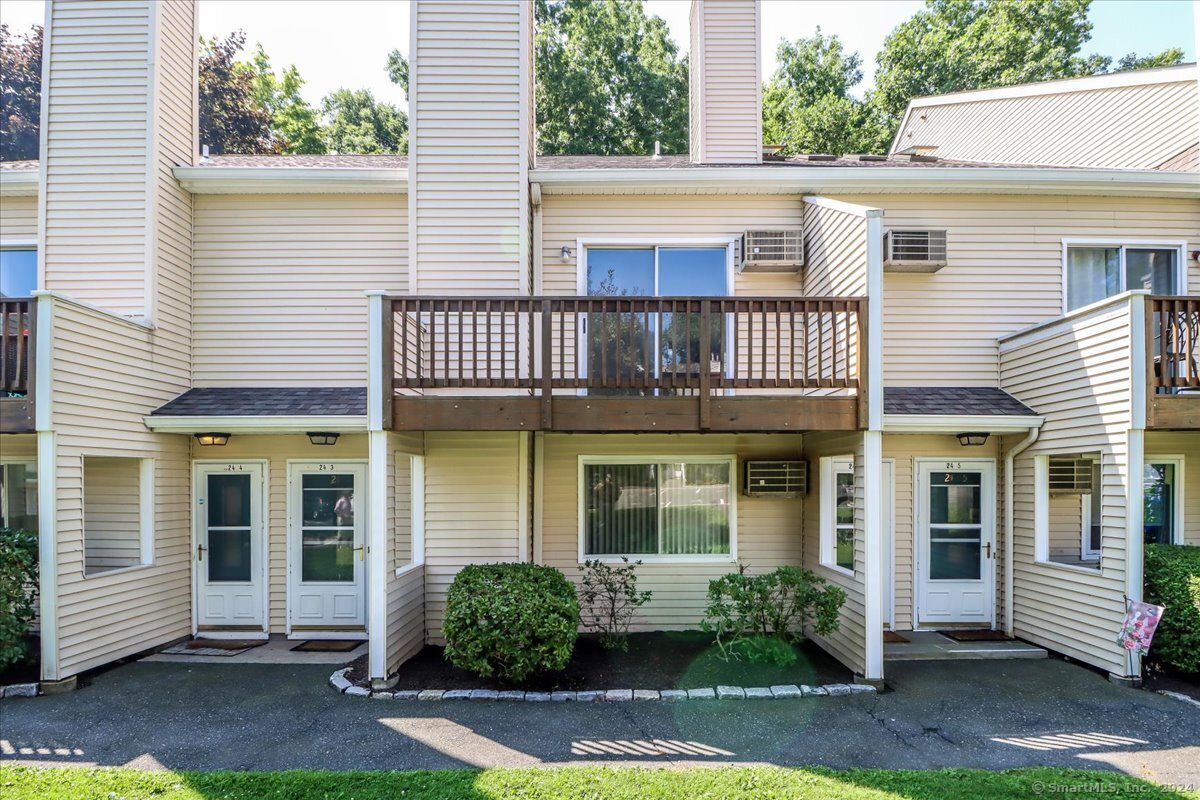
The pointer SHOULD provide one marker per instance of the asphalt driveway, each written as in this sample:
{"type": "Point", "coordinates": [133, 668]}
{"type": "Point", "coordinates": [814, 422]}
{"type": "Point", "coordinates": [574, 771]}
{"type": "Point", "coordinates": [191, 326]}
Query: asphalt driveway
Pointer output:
{"type": "Point", "coordinates": [989, 714]}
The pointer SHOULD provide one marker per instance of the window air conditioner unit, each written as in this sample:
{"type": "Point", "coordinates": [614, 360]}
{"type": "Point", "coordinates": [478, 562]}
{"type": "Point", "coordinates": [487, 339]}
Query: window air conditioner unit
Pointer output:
{"type": "Point", "coordinates": [776, 478]}
{"type": "Point", "coordinates": [1070, 475]}
{"type": "Point", "coordinates": [771, 251]}
{"type": "Point", "coordinates": [910, 250]}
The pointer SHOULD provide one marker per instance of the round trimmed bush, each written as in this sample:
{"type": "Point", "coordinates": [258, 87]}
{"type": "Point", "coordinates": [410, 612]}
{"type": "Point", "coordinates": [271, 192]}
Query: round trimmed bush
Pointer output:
{"type": "Point", "coordinates": [509, 621]}
{"type": "Point", "coordinates": [1173, 580]}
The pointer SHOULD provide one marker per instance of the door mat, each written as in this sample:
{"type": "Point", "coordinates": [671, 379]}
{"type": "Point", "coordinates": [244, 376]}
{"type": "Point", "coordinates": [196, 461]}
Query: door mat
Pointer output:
{"type": "Point", "coordinates": [976, 636]}
{"type": "Point", "coordinates": [327, 646]}
{"type": "Point", "coordinates": [213, 647]}
{"type": "Point", "coordinates": [891, 637]}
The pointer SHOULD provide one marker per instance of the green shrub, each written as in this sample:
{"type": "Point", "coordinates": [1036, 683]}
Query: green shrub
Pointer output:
{"type": "Point", "coordinates": [18, 593]}
{"type": "Point", "coordinates": [777, 605]}
{"type": "Point", "coordinates": [608, 599]}
{"type": "Point", "coordinates": [510, 621]}
{"type": "Point", "coordinates": [764, 650]}
{"type": "Point", "coordinates": [1173, 581]}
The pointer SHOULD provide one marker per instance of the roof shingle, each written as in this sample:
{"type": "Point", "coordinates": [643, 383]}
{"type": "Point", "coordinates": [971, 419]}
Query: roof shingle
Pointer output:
{"type": "Point", "coordinates": [953, 401]}
{"type": "Point", "coordinates": [267, 402]}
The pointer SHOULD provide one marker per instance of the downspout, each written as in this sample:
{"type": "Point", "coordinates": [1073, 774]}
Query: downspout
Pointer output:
{"type": "Point", "coordinates": [1009, 460]}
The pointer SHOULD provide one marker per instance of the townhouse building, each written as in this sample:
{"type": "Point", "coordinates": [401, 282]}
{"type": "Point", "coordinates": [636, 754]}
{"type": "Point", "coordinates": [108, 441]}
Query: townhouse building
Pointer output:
{"type": "Point", "coordinates": [254, 395]}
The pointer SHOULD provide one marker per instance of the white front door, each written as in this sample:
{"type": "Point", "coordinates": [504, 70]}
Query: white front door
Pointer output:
{"type": "Point", "coordinates": [229, 552]}
{"type": "Point", "coordinates": [326, 547]}
{"type": "Point", "coordinates": [956, 540]}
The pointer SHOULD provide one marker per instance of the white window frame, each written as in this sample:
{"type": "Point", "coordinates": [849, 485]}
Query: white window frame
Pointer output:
{"type": "Point", "coordinates": [831, 467]}
{"type": "Point", "coordinates": [1041, 517]}
{"type": "Point", "coordinates": [1122, 244]}
{"type": "Point", "coordinates": [648, 558]}
{"type": "Point", "coordinates": [1086, 553]}
{"type": "Point", "coordinates": [1176, 461]}
{"type": "Point", "coordinates": [30, 462]}
{"type": "Point", "coordinates": [26, 244]}
{"type": "Point", "coordinates": [146, 506]}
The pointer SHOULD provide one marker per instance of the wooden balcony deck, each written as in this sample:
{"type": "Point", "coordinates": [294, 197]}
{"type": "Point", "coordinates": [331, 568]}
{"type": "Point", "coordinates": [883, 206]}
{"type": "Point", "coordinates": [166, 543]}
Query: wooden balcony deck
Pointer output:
{"type": "Point", "coordinates": [17, 331]}
{"type": "Point", "coordinates": [631, 364]}
{"type": "Point", "coordinates": [1173, 363]}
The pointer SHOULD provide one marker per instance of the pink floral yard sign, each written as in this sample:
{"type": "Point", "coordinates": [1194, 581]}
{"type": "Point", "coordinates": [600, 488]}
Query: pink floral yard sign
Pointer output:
{"type": "Point", "coordinates": [1138, 629]}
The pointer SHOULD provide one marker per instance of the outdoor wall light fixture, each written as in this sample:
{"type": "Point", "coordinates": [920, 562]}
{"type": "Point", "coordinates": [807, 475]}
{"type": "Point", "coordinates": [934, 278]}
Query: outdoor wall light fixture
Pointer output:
{"type": "Point", "coordinates": [567, 252]}
{"type": "Point", "coordinates": [210, 439]}
{"type": "Point", "coordinates": [972, 439]}
{"type": "Point", "coordinates": [323, 437]}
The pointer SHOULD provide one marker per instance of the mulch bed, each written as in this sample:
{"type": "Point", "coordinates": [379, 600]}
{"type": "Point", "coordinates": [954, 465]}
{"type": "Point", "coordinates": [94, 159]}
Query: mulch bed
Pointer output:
{"type": "Point", "coordinates": [1158, 677]}
{"type": "Point", "coordinates": [660, 660]}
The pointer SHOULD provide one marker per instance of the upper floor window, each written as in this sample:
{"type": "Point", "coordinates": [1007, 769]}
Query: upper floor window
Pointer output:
{"type": "Point", "coordinates": [657, 271]}
{"type": "Point", "coordinates": [1096, 272]}
{"type": "Point", "coordinates": [18, 272]}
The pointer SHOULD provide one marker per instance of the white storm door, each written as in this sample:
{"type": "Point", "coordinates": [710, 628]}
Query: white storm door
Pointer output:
{"type": "Point", "coordinates": [326, 546]}
{"type": "Point", "coordinates": [229, 552]}
{"type": "Point", "coordinates": [956, 541]}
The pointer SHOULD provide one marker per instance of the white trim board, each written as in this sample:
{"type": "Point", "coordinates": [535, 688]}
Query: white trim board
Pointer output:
{"type": "Point", "coordinates": [257, 424]}
{"type": "Point", "coordinates": [959, 423]}
{"type": "Point", "coordinates": [292, 180]}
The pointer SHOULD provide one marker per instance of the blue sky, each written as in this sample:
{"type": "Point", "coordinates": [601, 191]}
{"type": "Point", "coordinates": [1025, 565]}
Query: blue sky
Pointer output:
{"type": "Point", "coordinates": [363, 31]}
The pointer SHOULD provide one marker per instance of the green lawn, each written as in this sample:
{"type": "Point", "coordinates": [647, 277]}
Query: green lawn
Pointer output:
{"type": "Point", "coordinates": [583, 783]}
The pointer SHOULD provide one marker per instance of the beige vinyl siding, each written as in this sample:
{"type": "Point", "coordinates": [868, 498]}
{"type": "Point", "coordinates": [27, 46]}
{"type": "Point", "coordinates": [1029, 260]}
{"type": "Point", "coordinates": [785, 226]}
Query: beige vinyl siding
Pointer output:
{"type": "Point", "coordinates": [1143, 126]}
{"type": "Point", "coordinates": [175, 135]}
{"type": "Point", "coordinates": [97, 152]}
{"type": "Point", "coordinates": [904, 450]}
{"type": "Point", "coordinates": [1004, 273]}
{"type": "Point", "coordinates": [1186, 444]}
{"type": "Point", "coordinates": [1074, 611]}
{"type": "Point", "coordinates": [472, 509]}
{"type": "Point", "coordinates": [18, 219]}
{"type": "Point", "coordinates": [279, 283]}
{"type": "Point", "coordinates": [768, 529]}
{"type": "Point", "coordinates": [18, 446]}
{"type": "Point", "coordinates": [112, 517]}
{"type": "Point", "coordinates": [848, 643]}
{"type": "Point", "coordinates": [470, 146]}
{"type": "Point", "coordinates": [566, 218]}
{"type": "Point", "coordinates": [405, 592]}
{"type": "Point", "coordinates": [725, 82]}
{"type": "Point", "coordinates": [277, 451]}
{"type": "Point", "coordinates": [835, 252]}
{"type": "Point", "coordinates": [106, 377]}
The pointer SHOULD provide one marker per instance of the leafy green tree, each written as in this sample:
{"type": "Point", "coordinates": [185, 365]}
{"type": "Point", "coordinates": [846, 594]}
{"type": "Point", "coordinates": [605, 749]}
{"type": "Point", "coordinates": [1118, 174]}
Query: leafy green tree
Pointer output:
{"type": "Point", "coordinates": [956, 45]}
{"type": "Point", "coordinates": [357, 123]}
{"type": "Point", "coordinates": [232, 120]}
{"type": "Point", "coordinates": [20, 93]}
{"type": "Point", "coordinates": [609, 79]}
{"type": "Point", "coordinates": [397, 69]}
{"type": "Point", "coordinates": [807, 105]}
{"type": "Point", "coordinates": [295, 127]}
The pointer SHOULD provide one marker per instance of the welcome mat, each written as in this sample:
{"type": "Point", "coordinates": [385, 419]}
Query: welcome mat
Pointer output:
{"type": "Point", "coordinates": [213, 647]}
{"type": "Point", "coordinates": [327, 646]}
{"type": "Point", "coordinates": [976, 636]}
{"type": "Point", "coordinates": [891, 637]}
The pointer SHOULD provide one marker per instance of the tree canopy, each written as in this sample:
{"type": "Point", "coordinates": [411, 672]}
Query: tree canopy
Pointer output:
{"type": "Point", "coordinates": [609, 79]}
{"type": "Point", "coordinates": [20, 93]}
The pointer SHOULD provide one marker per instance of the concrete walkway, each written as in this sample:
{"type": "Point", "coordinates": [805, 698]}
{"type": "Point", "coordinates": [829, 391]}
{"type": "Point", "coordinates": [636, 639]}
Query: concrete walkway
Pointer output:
{"type": "Point", "coordinates": [990, 714]}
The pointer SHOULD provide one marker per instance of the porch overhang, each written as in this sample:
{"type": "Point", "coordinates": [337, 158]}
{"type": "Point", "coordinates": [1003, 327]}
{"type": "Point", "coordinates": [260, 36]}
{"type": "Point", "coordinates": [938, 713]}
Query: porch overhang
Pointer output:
{"type": "Point", "coordinates": [256, 424]}
{"type": "Point", "coordinates": [269, 409]}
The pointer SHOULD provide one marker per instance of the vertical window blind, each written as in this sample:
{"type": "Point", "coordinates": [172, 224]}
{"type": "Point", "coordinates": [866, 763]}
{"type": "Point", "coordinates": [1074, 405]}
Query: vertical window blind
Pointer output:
{"type": "Point", "coordinates": [665, 508]}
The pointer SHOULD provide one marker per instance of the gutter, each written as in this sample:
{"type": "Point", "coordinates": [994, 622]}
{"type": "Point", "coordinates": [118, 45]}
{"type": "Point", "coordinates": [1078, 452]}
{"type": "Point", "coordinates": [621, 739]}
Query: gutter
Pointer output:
{"type": "Point", "coordinates": [291, 180]}
{"type": "Point", "coordinates": [256, 424]}
{"type": "Point", "coordinates": [1009, 459]}
{"type": "Point", "coordinates": [810, 179]}
{"type": "Point", "coordinates": [19, 182]}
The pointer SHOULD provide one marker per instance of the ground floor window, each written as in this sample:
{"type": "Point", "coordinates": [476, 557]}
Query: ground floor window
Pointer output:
{"type": "Point", "coordinates": [1070, 509]}
{"type": "Point", "coordinates": [18, 496]}
{"type": "Point", "coordinates": [837, 513]}
{"type": "Point", "coordinates": [118, 510]}
{"type": "Point", "coordinates": [1162, 491]}
{"type": "Point", "coordinates": [674, 509]}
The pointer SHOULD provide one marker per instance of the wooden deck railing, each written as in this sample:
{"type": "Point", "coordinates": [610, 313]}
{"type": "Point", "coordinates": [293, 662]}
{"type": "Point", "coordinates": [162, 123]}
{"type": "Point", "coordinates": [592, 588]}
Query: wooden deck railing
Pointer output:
{"type": "Point", "coordinates": [16, 345]}
{"type": "Point", "coordinates": [1173, 342]}
{"type": "Point", "coordinates": [639, 346]}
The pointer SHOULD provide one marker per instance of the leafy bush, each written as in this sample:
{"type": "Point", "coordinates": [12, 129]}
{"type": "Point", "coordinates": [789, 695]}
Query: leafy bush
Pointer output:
{"type": "Point", "coordinates": [18, 593]}
{"type": "Point", "coordinates": [764, 650]}
{"type": "Point", "coordinates": [744, 608]}
{"type": "Point", "coordinates": [510, 620]}
{"type": "Point", "coordinates": [608, 599]}
{"type": "Point", "coordinates": [1173, 580]}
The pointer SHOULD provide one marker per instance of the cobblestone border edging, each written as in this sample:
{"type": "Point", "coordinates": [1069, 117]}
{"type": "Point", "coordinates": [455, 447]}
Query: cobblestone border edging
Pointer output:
{"type": "Point", "coordinates": [19, 690]}
{"type": "Point", "coordinates": [339, 682]}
